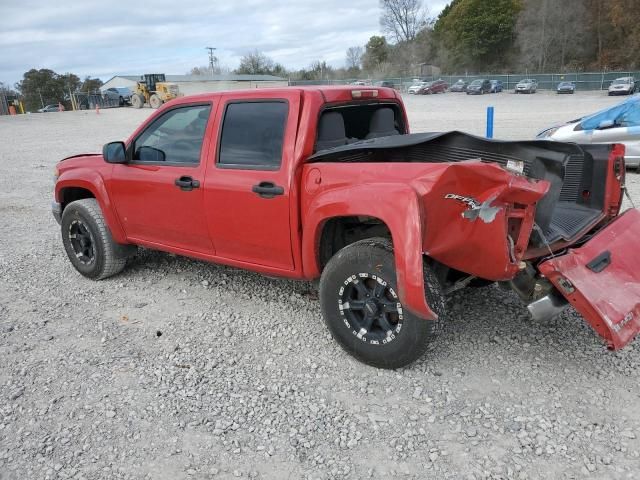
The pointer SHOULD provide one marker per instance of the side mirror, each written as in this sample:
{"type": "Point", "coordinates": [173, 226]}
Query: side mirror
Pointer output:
{"type": "Point", "coordinates": [606, 124]}
{"type": "Point", "coordinates": [114, 152]}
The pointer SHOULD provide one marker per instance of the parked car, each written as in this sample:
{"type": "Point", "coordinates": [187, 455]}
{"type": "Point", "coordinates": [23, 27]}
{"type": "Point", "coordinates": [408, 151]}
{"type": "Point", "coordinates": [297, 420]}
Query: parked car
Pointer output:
{"type": "Point", "coordinates": [384, 83]}
{"type": "Point", "coordinates": [479, 87]}
{"type": "Point", "coordinates": [359, 82]}
{"type": "Point", "coordinates": [566, 87]}
{"type": "Point", "coordinates": [287, 193]}
{"type": "Point", "coordinates": [623, 86]}
{"type": "Point", "coordinates": [121, 95]}
{"type": "Point", "coordinates": [619, 123]}
{"type": "Point", "coordinates": [527, 86]}
{"type": "Point", "coordinates": [54, 107]}
{"type": "Point", "coordinates": [496, 86]}
{"type": "Point", "coordinates": [415, 88]}
{"type": "Point", "coordinates": [459, 86]}
{"type": "Point", "coordinates": [438, 86]}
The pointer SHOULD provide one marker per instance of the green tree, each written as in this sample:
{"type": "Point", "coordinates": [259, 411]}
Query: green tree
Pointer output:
{"type": "Point", "coordinates": [91, 84]}
{"type": "Point", "coordinates": [41, 87]}
{"type": "Point", "coordinates": [376, 53]}
{"type": "Point", "coordinates": [257, 63]}
{"type": "Point", "coordinates": [476, 33]}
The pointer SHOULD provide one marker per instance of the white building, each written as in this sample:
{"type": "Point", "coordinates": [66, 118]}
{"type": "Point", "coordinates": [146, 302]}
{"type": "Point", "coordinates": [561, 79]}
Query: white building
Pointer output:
{"type": "Point", "coordinates": [191, 84]}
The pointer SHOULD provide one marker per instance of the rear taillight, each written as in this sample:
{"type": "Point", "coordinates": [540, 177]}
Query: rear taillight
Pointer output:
{"type": "Point", "coordinates": [615, 181]}
{"type": "Point", "coordinates": [617, 155]}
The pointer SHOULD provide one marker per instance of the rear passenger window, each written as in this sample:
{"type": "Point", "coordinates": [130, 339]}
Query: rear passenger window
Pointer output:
{"type": "Point", "coordinates": [252, 135]}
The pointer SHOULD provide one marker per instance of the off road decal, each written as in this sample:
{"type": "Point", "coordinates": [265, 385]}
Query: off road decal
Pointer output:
{"type": "Point", "coordinates": [470, 202]}
{"type": "Point", "coordinates": [484, 211]}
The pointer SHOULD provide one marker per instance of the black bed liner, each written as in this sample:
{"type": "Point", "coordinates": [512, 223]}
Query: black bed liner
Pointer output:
{"type": "Point", "coordinates": [570, 168]}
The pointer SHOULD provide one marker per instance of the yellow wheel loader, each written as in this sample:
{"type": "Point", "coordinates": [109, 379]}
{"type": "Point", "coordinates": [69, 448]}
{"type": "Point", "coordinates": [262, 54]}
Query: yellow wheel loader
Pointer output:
{"type": "Point", "coordinates": [152, 88]}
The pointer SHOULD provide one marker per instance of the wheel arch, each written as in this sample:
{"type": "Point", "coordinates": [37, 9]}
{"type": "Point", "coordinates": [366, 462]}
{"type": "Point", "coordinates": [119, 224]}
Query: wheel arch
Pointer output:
{"type": "Point", "coordinates": [399, 213]}
{"type": "Point", "coordinates": [77, 185]}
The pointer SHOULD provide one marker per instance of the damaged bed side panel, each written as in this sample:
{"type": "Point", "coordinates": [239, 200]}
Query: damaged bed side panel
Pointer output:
{"type": "Point", "coordinates": [479, 218]}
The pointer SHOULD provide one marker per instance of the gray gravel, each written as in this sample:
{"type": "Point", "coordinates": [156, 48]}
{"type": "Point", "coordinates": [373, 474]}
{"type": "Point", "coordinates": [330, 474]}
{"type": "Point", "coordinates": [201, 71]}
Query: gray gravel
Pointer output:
{"type": "Point", "coordinates": [179, 369]}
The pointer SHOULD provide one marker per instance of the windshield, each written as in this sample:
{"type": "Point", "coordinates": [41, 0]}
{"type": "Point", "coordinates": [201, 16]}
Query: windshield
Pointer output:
{"type": "Point", "coordinates": [476, 82]}
{"type": "Point", "coordinates": [565, 84]}
{"type": "Point", "coordinates": [620, 81]}
{"type": "Point", "coordinates": [624, 114]}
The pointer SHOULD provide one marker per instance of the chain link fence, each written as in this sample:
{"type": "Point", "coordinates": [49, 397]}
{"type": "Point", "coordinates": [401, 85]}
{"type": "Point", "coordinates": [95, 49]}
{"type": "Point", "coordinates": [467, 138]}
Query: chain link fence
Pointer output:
{"type": "Point", "coordinates": [89, 101]}
{"type": "Point", "coordinates": [546, 81]}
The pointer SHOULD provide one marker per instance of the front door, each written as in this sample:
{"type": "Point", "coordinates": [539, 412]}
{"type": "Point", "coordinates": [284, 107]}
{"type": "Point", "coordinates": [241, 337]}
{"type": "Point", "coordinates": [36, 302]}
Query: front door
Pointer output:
{"type": "Point", "coordinates": [247, 190]}
{"type": "Point", "coordinates": [158, 194]}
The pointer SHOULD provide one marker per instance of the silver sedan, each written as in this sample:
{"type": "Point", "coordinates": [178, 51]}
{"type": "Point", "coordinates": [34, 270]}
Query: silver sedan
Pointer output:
{"type": "Point", "coordinates": [617, 124]}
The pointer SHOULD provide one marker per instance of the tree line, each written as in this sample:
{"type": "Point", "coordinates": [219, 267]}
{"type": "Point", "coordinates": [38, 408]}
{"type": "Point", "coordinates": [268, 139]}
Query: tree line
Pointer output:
{"type": "Point", "coordinates": [485, 36]}
{"type": "Point", "coordinates": [474, 36]}
{"type": "Point", "coordinates": [46, 87]}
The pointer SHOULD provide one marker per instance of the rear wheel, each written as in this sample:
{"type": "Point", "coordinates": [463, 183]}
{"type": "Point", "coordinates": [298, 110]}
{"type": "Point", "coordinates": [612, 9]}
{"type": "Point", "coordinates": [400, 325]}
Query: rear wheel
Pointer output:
{"type": "Point", "coordinates": [155, 101]}
{"type": "Point", "coordinates": [360, 305]}
{"type": "Point", "coordinates": [137, 100]}
{"type": "Point", "coordinates": [88, 242]}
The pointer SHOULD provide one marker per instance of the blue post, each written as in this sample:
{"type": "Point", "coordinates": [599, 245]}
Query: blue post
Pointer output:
{"type": "Point", "coordinates": [489, 122]}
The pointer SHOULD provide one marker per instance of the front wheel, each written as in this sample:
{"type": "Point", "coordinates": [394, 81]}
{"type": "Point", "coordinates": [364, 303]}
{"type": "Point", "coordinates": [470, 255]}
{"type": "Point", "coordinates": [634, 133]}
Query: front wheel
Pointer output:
{"type": "Point", "coordinates": [88, 242]}
{"type": "Point", "coordinates": [155, 101]}
{"type": "Point", "coordinates": [137, 100]}
{"type": "Point", "coordinates": [360, 305]}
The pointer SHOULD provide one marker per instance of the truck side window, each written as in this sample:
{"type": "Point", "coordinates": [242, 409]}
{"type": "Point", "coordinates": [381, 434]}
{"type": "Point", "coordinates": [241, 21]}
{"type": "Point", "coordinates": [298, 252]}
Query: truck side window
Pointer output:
{"type": "Point", "coordinates": [252, 135]}
{"type": "Point", "coordinates": [175, 137]}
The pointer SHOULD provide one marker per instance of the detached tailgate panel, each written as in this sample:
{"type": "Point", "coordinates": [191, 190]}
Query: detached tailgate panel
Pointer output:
{"type": "Point", "coordinates": [601, 279]}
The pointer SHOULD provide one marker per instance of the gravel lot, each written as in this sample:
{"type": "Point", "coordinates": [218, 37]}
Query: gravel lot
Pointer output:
{"type": "Point", "coordinates": [180, 369]}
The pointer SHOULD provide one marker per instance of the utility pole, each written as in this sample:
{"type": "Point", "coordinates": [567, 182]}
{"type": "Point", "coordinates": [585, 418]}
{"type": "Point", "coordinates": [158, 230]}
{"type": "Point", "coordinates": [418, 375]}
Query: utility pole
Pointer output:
{"type": "Point", "coordinates": [212, 58]}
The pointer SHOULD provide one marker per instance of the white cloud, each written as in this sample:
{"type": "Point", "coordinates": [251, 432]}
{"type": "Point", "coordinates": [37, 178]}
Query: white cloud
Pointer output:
{"type": "Point", "coordinates": [107, 38]}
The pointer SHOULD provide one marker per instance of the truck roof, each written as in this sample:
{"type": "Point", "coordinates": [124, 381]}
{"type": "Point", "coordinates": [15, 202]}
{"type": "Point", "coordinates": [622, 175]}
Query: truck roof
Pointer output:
{"type": "Point", "coordinates": [330, 93]}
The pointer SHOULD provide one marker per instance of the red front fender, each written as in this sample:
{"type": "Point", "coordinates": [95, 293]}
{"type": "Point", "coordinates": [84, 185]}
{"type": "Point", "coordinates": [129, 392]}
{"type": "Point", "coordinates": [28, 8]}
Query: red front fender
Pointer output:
{"type": "Point", "coordinates": [404, 219]}
{"type": "Point", "coordinates": [92, 181]}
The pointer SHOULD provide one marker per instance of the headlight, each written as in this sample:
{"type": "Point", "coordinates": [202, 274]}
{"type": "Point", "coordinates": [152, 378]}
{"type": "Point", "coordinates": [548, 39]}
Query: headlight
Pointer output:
{"type": "Point", "coordinates": [56, 174]}
{"type": "Point", "coordinates": [547, 133]}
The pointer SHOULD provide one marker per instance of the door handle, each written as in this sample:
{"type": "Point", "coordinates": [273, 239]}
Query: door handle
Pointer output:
{"type": "Point", "coordinates": [186, 183]}
{"type": "Point", "coordinates": [267, 189]}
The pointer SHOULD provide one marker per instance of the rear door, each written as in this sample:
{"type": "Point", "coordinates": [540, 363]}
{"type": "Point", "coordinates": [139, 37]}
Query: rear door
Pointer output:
{"type": "Point", "coordinates": [248, 186]}
{"type": "Point", "coordinates": [601, 279]}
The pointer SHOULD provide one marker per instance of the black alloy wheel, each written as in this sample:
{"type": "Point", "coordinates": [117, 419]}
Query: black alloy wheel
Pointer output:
{"type": "Point", "coordinates": [371, 308]}
{"type": "Point", "coordinates": [82, 242]}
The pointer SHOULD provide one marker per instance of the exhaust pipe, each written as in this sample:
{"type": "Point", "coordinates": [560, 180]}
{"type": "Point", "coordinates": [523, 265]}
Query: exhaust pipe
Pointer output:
{"type": "Point", "coordinates": [547, 307]}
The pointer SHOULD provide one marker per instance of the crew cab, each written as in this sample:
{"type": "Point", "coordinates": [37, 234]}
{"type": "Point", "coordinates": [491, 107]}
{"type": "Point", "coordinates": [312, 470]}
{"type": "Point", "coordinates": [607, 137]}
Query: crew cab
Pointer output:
{"type": "Point", "coordinates": [327, 183]}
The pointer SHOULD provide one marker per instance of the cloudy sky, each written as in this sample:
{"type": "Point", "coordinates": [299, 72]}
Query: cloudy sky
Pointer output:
{"type": "Point", "coordinates": [103, 39]}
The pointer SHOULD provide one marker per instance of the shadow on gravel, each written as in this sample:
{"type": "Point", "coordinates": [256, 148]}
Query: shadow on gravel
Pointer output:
{"type": "Point", "coordinates": [481, 321]}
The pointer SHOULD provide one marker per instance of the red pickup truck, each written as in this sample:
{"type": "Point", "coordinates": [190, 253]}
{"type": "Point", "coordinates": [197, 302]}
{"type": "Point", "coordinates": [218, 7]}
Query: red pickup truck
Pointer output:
{"type": "Point", "coordinates": [327, 183]}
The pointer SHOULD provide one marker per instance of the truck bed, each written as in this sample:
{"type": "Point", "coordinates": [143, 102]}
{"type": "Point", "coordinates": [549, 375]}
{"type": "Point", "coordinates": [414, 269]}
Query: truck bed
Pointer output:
{"type": "Point", "coordinates": [576, 172]}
